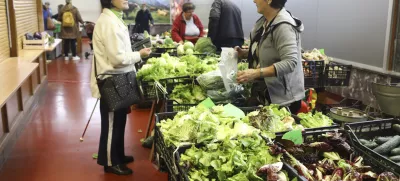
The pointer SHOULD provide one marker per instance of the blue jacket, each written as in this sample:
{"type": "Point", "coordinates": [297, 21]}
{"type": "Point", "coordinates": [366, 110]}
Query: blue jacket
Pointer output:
{"type": "Point", "coordinates": [46, 13]}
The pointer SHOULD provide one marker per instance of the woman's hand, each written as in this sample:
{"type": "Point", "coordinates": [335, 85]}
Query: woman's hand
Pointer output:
{"type": "Point", "coordinates": [241, 53]}
{"type": "Point", "coordinates": [247, 75]}
{"type": "Point", "coordinates": [145, 52]}
{"type": "Point", "coordinates": [181, 42]}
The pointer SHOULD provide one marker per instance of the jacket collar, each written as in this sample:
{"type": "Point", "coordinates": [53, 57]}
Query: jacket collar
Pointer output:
{"type": "Point", "coordinates": [114, 17]}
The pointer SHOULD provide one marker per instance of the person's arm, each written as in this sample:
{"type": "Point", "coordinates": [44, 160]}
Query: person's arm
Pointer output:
{"type": "Point", "coordinates": [199, 25]}
{"type": "Point", "coordinates": [115, 47]}
{"type": "Point", "coordinates": [151, 18]}
{"type": "Point", "coordinates": [215, 15]}
{"type": "Point", "coordinates": [175, 32]}
{"type": "Point", "coordinates": [285, 41]}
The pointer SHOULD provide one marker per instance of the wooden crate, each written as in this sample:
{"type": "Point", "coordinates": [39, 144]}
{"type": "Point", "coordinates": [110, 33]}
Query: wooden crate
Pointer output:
{"type": "Point", "coordinates": [35, 44]}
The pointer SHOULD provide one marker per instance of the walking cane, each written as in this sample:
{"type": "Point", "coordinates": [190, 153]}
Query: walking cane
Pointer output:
{"type": "Point", "coordinates": [87, 124]}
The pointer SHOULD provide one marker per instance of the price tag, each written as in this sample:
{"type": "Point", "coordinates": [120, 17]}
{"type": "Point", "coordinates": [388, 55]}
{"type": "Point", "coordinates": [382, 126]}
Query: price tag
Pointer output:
{"type": "Point", "coordinates": [295, 136]}
{"type": "Point", "coordinates": [208, 103]}
{"type": "Point", "coordinates": [231, 110]}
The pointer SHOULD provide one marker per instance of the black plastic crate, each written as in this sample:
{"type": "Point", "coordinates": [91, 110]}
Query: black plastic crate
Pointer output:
{"type": "Point", "coordinates": [170, 83]}
{"type": "Point", "coordinates": [292, 173]}
{"type": "Point", "coordinates": [376, 163]}
{"type": "Point", "coordinates": [171, 51]}
{"type": "Point", "coordinates": [173, 106]}
{"type": "Point", "coordinates": [370, 129]}
{"type": "Point", "coordinates": [148, 91]}
{"type": "Point", "coordinates": [337, 75]}
{"type": "Point", "coordinates": [313, 73]}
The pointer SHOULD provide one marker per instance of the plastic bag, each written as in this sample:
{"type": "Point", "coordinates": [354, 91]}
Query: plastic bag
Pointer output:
{"type": "Point", "coordinates": [228, 67]}
{"type": "Point", "coordinates": [211, 80]}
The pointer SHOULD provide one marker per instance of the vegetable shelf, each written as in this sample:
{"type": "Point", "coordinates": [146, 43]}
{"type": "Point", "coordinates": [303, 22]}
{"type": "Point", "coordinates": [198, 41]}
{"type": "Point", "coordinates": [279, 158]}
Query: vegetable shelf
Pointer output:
{"type": "Point", "coordinates": [376, 131]}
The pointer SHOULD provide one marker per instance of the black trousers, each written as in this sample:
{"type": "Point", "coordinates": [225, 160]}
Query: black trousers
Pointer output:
{"type": "Point", "coordinates": [111, 148]}
{"type": "Point", "coordinates": [69, 43]}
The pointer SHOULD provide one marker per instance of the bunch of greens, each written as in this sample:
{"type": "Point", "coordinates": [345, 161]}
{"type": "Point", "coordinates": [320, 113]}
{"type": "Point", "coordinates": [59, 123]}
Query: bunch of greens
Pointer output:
{"type": "Point", "coordinates": [168, 66]}
{"type": "Point", "coordinates": [272, 119]}
{"type": "Point", "coordinates": [232, 160]}
{"type": "Point", "coordinates": [202, 125]}
{"type": "Point", "coordinates": [188, 94]}
{"type": "Point", "coordinates": [205, 45]}
{"type": "Point", "coordinates": [314, 121]}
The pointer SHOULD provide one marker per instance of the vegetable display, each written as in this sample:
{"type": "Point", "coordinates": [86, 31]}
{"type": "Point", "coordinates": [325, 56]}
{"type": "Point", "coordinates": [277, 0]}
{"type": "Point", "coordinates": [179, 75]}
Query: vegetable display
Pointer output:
{"type": "Point", "coordinates": [168, 66]}
{"type": "Point", "coordinates": [328, 157]}
{"type": "Point", "coordinates": [243, 159]}
{"type": "Point", "coordinates": [202, 125]}
{"type": "Point", "coordinates": [188, 94]}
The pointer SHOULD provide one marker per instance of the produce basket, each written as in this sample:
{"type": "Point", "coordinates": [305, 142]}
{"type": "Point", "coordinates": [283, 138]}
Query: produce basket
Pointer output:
{"type": "Point", "coordinates": [165, 50]}
{"type": "Point", "coordinates": [313, 73]}
{"type": "Point", "coordinates": [337, 74]}
{"type": "Point", "coordinates": [173, 106]}
{"type": "Point", "coordinates": [292, 173]}
{"type": "Point", "coordinates": [371, 160]}
{"type": "Point", "coordinates": [370, 129]}
{"type": "Point", "coordinates": [150, 92]}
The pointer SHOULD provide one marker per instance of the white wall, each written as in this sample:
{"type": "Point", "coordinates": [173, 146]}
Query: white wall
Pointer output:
{"type": "Point", "coordinates": [90, 9]}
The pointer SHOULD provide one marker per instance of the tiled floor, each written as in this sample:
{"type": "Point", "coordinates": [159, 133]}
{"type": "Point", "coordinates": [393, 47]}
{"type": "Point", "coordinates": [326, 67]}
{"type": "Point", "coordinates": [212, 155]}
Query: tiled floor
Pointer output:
{"type": "Point", "coordinates": [49, 147]}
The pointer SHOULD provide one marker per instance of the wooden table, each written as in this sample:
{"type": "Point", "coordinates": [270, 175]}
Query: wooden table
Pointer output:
{"type": "Point", "coordinates": [12, 74]}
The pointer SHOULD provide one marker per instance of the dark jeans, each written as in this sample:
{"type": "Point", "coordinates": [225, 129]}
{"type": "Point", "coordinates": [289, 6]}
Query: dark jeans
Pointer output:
{"type": "Point", "coordinates": [232, 42]}
{"type": "Point", "coordinates": [111, 147]}
{"type": "Point", "coordinates": [69, 43]}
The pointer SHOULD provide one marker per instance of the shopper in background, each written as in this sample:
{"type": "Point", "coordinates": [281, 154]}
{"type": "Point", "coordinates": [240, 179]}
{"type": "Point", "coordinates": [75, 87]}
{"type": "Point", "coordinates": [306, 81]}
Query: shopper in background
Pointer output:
{"type": "Point", "coordinates": [225, 26]}
{"type": "Point", "coordinates": [275, 57]}
{"type": "Point", "coordinates": [187, 25]}
{"type": "Point", "coordinates": [143, 20]}
{"type": "Point", "coordinates": [70, 19]}
{"type": "Point", "coordinates": [60, 6]}
{"type": "Point", "coordinates": [113, 53]}
{"type": "Point", "coordinates": [46, 15]}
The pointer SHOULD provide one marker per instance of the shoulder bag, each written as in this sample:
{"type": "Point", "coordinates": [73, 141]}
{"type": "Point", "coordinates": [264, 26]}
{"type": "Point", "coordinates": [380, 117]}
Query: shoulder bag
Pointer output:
{"type": "Point", "coordinates": [119, 90]}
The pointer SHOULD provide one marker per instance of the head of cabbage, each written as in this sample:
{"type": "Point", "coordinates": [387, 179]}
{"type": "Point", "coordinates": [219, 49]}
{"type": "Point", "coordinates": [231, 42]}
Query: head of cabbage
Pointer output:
{"type": "Point", "coordinates": [205, 45]}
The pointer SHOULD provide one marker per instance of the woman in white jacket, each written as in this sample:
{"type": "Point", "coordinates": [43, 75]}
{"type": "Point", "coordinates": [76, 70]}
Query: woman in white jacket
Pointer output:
{"type": "Point", "coordinates": [113, 54]}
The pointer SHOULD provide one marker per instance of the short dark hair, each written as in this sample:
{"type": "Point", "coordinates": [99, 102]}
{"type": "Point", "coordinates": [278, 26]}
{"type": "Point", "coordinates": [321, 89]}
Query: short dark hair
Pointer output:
{"type": "Point", "coordinates": [278, 4]}
{"type": "Point", "coordinates": [188, 6]}
{"type": "Point", "coordinates": [106, 4]}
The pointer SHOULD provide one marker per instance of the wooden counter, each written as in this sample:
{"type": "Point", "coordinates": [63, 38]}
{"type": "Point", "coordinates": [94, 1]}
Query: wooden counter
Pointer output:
{"type": "Point", "coordinates": [12, 75]}
{"type": "Point", "coordinates": [29, 56]}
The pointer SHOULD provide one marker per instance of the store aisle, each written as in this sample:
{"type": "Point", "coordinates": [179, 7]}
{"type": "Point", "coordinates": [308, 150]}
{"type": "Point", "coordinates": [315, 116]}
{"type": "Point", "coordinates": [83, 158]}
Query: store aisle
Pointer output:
{"type": "Point", "coordinates": [49, 148]}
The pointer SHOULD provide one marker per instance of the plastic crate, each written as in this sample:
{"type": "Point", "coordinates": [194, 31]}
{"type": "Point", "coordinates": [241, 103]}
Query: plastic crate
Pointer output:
{"type": "Point", "coordinates": [313, 73]}
{"type": "Point", "coordinates": [370, 129]}
{"type": "Point", "coordinates": [173, 106]}
{"type": "Point", "coordinates": [165, 50]}
{"type": "Point", "coordinates": [337, 75]}
{"type": "Point", "coordinates": [370, 160]}
{"type": "Point", "coordinates": [148, 90]}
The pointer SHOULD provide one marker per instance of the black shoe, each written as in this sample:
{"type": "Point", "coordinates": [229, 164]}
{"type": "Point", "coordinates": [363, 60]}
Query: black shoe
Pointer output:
{"type": "Point", "coordinates": [118, 170]}
{"type": "Point", "coordinates": [128, 159]}
{"type": "Point", "coordinates": [148, 143]}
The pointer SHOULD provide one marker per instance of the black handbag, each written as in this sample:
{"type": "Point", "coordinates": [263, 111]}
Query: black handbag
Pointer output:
{"type": "Point", "coordinates": [119, 90]}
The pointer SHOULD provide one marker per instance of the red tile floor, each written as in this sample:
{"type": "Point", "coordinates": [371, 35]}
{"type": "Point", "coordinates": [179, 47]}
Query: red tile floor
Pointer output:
{"type": "Point", "coordinates": [49, 147]}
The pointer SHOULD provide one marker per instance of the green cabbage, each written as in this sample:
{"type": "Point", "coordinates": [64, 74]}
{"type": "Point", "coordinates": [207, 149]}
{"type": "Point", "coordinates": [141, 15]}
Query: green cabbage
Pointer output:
{"type": "Point", "coordinates": [188, 45]}
{"type": "Point", "coordinates": [205, 45]}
